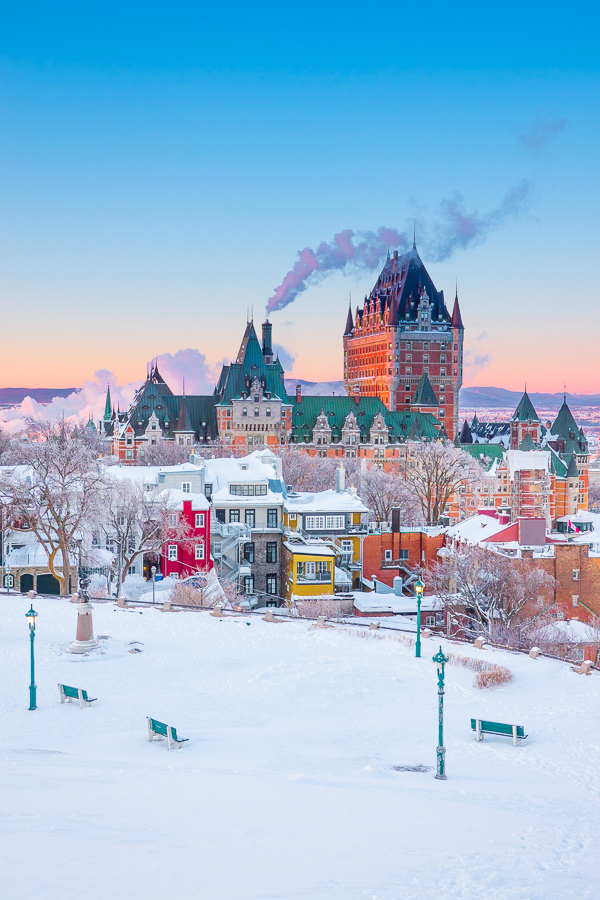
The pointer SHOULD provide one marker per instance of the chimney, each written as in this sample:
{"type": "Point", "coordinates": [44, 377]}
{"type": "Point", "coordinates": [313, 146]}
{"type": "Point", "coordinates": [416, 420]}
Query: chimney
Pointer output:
{"type": "Point", "coordinates": [340, 478]}
{"type": "Point", "coordinates": [267, 348]}
{"type": "Point", "coordinates": [356, 394]}
{"type": "Point", "coordinates": [298, 393]}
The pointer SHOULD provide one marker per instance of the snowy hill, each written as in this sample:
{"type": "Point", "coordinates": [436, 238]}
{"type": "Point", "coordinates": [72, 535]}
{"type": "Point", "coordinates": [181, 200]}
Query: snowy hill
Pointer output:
{"type": "Point", "coordinates": [286, 789]}
{"type": "Point", "coordinates": [315, 388]}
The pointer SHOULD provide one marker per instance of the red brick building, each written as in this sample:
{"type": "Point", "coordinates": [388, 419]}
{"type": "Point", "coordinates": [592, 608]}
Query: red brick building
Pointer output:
{"type": "Point", "coordinates": [187, 547]}
{"type": "Point", "coordinates": [404, 331]}
{"type": "Point", "coordinates": [387, 555]}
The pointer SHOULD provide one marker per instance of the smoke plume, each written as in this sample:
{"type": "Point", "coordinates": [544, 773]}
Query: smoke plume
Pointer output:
{"type": "Point", "coordinates": [457, 229]}
{"type": "Point", "coordinates": [342, 253]}
{"type": "Point", "coordinates": [542, 131]}
{"type": "Point", "coordinates": [452, 229]}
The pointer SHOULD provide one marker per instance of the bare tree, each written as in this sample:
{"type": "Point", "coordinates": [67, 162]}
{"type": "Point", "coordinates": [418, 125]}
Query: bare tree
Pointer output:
{"type": "Point", "coordinates": [140, 521]}
{"type": "Point", "coordinates": [594, 496]}
{"type": "Point", "coordinates": [164, 453]}
{"type": "Point", "coordinates": [382, 491]}
{"type": "Point", "coordinates": [307, 473]}
{"type": "Point", "coordinates": [57, 494]}
{"type": "Point", "coordinates": [491, 593]}
{"type": "Point", "coordinates": [435, 472]}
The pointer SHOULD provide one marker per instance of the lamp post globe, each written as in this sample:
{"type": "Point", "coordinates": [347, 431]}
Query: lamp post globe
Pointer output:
{"type": "Point", "coordinates": [419, 588]}
{"type": "Point", "coordinates": [31, 617]}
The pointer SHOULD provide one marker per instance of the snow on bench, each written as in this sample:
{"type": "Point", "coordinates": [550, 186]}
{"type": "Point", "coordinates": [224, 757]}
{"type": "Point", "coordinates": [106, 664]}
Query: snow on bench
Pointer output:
{"type": "Point", "coordinates": [158, 730]}
{"type": "Point", "coordinates": [71, 693]}
{"type": "Point", "coordinates": [481, 727]}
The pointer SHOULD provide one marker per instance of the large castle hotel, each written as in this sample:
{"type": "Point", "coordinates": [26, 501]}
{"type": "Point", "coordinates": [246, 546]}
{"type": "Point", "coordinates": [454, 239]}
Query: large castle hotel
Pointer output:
{"type": "Point", "coordinates": [402, 371]}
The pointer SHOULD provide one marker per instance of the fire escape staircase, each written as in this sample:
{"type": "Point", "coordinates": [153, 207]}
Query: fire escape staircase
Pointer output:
{"type": "Point", "coordinates": [226, 541]}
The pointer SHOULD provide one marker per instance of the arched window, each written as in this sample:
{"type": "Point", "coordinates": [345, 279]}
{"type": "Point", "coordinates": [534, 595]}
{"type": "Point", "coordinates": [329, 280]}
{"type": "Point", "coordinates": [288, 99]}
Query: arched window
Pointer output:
{"type": "Point", "coordinates": [268, 412]}
{"type": "Point", "coordinates": [257, 411]}
{"type": "Point", "coordinates": [244, 411]}
{"type": "Point", "coordinates": [256, 398]}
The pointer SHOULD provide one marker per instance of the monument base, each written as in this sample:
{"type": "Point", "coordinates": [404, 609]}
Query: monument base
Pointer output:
{"type": "Point", "coordinates": [83, 646]}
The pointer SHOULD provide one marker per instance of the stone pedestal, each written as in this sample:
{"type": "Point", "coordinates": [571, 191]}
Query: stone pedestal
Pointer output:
{"type": "Point", "coordinates": [85, 640]}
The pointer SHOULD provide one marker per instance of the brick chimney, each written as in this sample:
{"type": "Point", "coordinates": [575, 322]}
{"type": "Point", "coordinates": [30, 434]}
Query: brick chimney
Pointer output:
{"type": "Point", "coordinates": [298, 393]}
{"type": "Point", "coordinates": [356, 394]}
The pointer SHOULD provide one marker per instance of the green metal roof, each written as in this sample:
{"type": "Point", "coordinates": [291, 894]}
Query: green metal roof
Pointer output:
{"type": "Point", "coordinates": [572, 470]}
{"type": "Point", "coordinates": [400, 425]}
{"type": "Point", "coordinates": [424, 394]}
{"type": "Point", "coordinates": [527, 443]}
{"type": "Point", "coordinates": [108, 405]}
{"type": "Point", "coordinates": [250, 364]}
{"type": "Point", "coordinates": [525, 411]}
{"type": "Point", "coordinates": [485, 454]}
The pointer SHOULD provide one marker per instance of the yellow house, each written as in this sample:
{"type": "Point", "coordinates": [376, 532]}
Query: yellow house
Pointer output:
{"type": "Point", "coordinates": [308, 569]}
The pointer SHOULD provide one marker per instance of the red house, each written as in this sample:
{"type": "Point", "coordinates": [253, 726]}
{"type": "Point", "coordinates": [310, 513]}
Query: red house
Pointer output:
{"type": "Point", "coordinates": [187, 547]}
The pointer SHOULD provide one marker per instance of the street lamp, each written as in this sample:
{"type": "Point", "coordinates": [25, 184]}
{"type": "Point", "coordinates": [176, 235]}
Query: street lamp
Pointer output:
{"type": "Point", "coordinates": [419, 588]}
{"type": "Point", "coordinates": [440, 661]}
{"type": "Point", "coordinates": [153, 570]}
{"type": "Point", "coordinates": [31, 617]}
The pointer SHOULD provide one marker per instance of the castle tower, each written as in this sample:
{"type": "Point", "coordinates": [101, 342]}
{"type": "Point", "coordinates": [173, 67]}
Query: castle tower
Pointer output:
{"type": "Point", "coordinates": [402, 332]}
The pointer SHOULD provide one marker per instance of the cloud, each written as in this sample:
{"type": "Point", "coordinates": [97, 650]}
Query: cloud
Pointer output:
{"type": "Point", "coordinates": [191, 365]}
{"type": "Point", "coordinates": [542, 131]}
{"type": "Point", "coordinates": [475, 362]}
{"type": "Point", "coordinates": [86, 403]}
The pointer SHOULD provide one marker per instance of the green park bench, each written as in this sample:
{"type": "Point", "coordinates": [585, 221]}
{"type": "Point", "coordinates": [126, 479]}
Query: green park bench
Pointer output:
{"type": "Point", "coordinates": [71, 693]}
{"type": "Point", "coordinates": [480, 727]}
{"type": "Point", "coordinates": [158, 730]}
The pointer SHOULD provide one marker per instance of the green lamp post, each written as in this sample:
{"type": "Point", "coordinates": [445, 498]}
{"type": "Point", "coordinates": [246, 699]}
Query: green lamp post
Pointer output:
{"type": "Point", "coordinates": [419, 588]}
{"type": "Point", "coordinates": [31, 617]}
{"type": "Point", "coordinates": [440, 661]}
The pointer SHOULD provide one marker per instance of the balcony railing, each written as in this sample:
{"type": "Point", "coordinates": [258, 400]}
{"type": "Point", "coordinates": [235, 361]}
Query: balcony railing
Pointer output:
{"type": "Point", "coordinates": [323, 577]}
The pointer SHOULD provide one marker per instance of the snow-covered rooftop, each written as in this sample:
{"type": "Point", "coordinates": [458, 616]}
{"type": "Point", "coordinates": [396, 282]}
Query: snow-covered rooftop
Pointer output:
{"type": "Point", "coordinates": [329, 501]}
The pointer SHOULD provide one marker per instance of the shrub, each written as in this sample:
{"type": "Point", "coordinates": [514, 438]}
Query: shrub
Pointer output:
{"type": "Point", "coordinates": [331, 609]}
{"type": "Point", "coordinates": [493, 677]}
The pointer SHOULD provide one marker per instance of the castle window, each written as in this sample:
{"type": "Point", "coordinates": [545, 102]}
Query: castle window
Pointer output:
{"type": "Point", "coordinates": [442, 372]}
{"type": "Point", "coordinates": [244, 411]}
{"type": "Point", "coordinates": [257, 411]}
{"type": "Point", "coordinates": [268, 412]}
{"type": "Point", "coordinates": [443, 357]}
{"type": "Point", "coordinates": [409, 357]}
{"type": "Point", "coordinates": [426, 357]}
{"type": "Point", "coordinates": [426, 345]}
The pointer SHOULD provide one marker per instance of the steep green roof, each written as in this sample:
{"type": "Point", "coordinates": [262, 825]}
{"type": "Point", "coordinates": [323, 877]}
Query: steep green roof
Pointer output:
{"type": "Point", "coordinates": [485, 454]}
{"type": "Point", "coordinates": [108, 405]}
{"type": "Point", "coordinates": [565, 425]}
{"type": "Point", "coordinates": [557, 465]}
{"type": "Point", "coordinates": [525, 411]}
{"type": "Point", "coordinates": [424, 394]}
{"type": "Point", "coordinates": [527, 443]}
{"type": "Point", "coordinates": [250, 364]}
{"type": "Point", "coordinates": [400, 425]}
{"type": "Point", "coordinates": [572, 470]}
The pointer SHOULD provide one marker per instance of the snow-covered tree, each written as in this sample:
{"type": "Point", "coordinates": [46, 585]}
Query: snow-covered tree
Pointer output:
{"type": "Point", "coordinates": [382, 491]}
{"type": "Point", "coordinates": [494, 594]}
{"type": "Point", "coordinates": [434, 472]}
{"type": "Point", "coordinates": [58, 493]}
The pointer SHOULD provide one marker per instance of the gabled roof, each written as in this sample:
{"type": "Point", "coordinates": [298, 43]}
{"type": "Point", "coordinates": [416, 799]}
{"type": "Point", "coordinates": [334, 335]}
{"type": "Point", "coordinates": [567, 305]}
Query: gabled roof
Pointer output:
{"type": "Point", "coordinates": [424, 394]}
{"type": "Point", "coordinates": [527, 443]}
{"type": "Point", "coordinates": [249, 364]}
{"type": "Point", "coordinates": [525, 411]}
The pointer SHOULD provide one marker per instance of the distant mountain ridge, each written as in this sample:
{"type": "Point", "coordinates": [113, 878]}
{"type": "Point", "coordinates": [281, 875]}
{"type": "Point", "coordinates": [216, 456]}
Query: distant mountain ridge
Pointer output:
{"type": "Point", "coordinates": [13, 396]}
{"type": "Point", "coordinates": [500, 397]}
{"type": "Point", "coordinates": [470, 397]}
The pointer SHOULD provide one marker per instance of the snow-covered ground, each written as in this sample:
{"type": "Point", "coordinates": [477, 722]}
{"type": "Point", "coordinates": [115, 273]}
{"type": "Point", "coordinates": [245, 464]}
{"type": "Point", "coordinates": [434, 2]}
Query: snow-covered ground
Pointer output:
{"type": "Point", "coordinates": [286, 789]}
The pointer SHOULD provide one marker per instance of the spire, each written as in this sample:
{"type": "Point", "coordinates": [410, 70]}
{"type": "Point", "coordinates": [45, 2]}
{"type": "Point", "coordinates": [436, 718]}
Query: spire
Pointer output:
{"type": "Point", "coordinates": [466, 435]}
{"type": "Point", "coordinates": [349, 323]}
{"type": "Point", "coordinates": [572, 470]}
{"type": "Point", "coordinates": [527, 443]}
{"type": "Point", "coordinates": [457, 321]}
{"type": "Point", "coordinates": [525, 411]}
{"type": "Point", "coordinates": [184, 422]}
{"type": "Point", "coordinates": [414, 234]}
{"type": "Point", "coordinates": [108, 406]}
{"type": "Point", "coordinates": [424, 394]}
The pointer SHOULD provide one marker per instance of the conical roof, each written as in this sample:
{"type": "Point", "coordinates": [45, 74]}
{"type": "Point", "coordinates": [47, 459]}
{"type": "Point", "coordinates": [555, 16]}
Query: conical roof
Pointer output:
{"type": "Point", "coordinates": [424, 395]}
{"type": "Point", "coordinates": [572, 470]}
{"type": "Point", "coordinates": [184, 422]}
{"type": "Point", "coordinates": [457, 321]}
{"type": "Point", "coordinates": [108, 406]}
{"type": "Point", "coordinates": [525, 411]}
{"type": "Point", "coordinates": [349, 323]}
{"type": "Point", "coordinates": [527, 443]}
{"type": "Point", "coordinates": [457, 441]}
{"type": "Point", "coordinates": [565, 425]}
{"type": "Point", "coordinates": [466, 436]}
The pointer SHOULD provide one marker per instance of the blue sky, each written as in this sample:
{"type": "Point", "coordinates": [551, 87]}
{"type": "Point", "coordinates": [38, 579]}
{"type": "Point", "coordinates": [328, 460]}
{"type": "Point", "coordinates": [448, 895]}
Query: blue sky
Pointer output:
{"type": "Point", "coordinates": [161, 169]}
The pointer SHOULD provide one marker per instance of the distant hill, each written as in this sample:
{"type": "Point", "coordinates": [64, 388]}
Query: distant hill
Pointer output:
{"type": "Point", "coordinates": [471, 397]}
{"type": "Point", "coordinates": [315, 388]}
{"type": "Point", "coordinates": [13, 396]}
{"type": "Point", "coordinates": [484, 397]}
